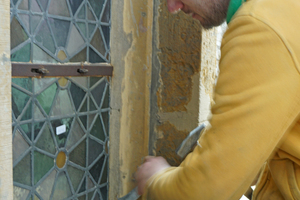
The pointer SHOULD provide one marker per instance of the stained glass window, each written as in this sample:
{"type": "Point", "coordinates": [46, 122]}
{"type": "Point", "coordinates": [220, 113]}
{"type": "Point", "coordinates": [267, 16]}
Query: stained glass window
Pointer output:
{"type": "Point", "coordinates": [60, 125]}
{"type": "Point", "coordinates": [60, 138]}
{"type": "Point", "coordinates": [60, 31]}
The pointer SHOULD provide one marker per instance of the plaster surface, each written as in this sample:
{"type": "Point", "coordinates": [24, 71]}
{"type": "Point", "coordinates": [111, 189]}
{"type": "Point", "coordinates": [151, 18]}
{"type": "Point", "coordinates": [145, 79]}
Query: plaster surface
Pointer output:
{"type": "Point", "coordinates": [6, 178]}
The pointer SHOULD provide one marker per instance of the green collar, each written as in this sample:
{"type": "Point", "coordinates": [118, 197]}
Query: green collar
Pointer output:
{"type": "Point", "coordinates": [232, 8]}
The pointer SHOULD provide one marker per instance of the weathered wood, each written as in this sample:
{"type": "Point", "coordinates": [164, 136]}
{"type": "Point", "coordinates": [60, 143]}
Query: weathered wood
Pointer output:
{"type": "Point", "coordinates": [6, 181]}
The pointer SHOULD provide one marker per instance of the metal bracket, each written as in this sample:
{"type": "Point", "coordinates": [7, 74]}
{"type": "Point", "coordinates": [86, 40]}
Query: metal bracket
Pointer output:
{"type": "Point", "coordinates": [41, 71]}
{"type": "Point", "coordinates": [82, 71]}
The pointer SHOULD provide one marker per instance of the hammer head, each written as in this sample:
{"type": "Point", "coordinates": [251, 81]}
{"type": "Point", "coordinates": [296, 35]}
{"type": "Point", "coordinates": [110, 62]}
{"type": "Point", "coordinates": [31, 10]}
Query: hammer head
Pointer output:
{"type": "Point", "coordinates": [187, 144]}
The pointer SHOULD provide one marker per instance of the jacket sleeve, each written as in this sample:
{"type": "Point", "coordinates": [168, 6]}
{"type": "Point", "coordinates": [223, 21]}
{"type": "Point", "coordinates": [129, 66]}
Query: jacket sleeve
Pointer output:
{"type": "Point", "coordinates": [256, 103]}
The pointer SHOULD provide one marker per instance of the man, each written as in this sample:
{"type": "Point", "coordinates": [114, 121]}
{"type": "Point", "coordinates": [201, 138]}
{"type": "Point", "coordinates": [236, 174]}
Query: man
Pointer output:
{"type": "Point", "coordinates": [255, 121]}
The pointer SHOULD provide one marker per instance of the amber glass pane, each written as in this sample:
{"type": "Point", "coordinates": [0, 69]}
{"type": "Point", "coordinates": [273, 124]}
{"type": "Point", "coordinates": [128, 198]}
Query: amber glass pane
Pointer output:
{"type": "Point", "coordinates": [42, 164]}
{"type": "Point", "coordinates": [62, 188]}
{"type": "Point", "coordinates": [45, 188]}
{"type": "Point", "coordinates": [75, 176]}
{"type": "Point", "coordinates": [61, 159]}
{"type": "Point", "coordinates": [22, 171]}
{"type": "Point", "coordinates": [78, 155]}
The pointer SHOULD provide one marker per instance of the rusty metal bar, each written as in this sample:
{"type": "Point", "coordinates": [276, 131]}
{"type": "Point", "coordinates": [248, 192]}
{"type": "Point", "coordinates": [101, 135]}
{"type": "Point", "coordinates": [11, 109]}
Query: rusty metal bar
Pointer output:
{"type": "Point", "coordinates": [61, 70]}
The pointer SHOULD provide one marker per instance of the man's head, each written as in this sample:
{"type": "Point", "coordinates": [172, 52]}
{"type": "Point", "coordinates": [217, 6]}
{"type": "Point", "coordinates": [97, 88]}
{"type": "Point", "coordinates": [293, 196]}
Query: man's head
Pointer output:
{"type": "Point", "coordinates": [209, 12]}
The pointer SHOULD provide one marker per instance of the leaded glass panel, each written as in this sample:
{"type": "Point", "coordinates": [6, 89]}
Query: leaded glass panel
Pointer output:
{"type": "Point", "coordinates": [60, 31]}
{"type": "Point", "coordinates": [60, 149]}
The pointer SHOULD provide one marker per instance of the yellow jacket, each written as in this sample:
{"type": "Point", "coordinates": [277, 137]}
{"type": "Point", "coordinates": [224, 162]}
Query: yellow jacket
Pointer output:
{"type": "Point", "coordinates": [256, 115]}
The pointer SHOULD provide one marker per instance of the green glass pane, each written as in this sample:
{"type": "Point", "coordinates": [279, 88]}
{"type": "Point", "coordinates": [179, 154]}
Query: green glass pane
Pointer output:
{"type": "Point", "coordinates": [62, 188]}
{"type": "Point", "coordinates": [98, 42]}
{"type": "Point", "coordinates": [90, 195]}
{"type": "Point", "coordinates": [43, 36]}
{"type": "Point", "coordinates": [104, 173]}
{"type": "Point", "coordinates": [81, 14]}
{"type": "Point", "coordinates": [42, 164]}
{"type": "Point", "coordinates": [90, 183]}
{"type": "Point", "coordinates": [35, 20]}
{"type": "Point", "coordinates": [44, 4]}
{"type": "Point", "coordinates": [92, 105]}
{"type": "Point", "coordinates": [60, 29]}
{"type": "Point", "coordinates": [83, 120]}
{"type": "Point", "coordinates": [22, 171]}
{"type": "Point", "coordinates": [75, 41]}
{"type": "Point", "coordinates": [19, 101]}
{"type": "Point", "coordinates": [46, 98]}
{"type": "Point", "coordinates": [90, 14]}
{"type": "Point", "coordinates": [27, 129]}
{"type": "Point", "coordinates": [91, 28]}
{"type": "Point", "coordinates": [84, 106]}
{"type": "Point", "coordinates": [25, 19]}
{"type": "Point", "coordinates": [62, 138]}
{"type": "Point", "coordinates": [80, 57]}
{"type": "Point", "coordinates": [22, 55]}
{"type": "Point", "coordinates": [82, 27]}
{"type": "Point", "coordinates": [35, 7]}
{"type": "Point", "coordinates": [75, 176]}
{"type": "Point", "coordinates": [24, 5]}
{"type": "Point", "coordinates": [75, 135]}
{"type": "Point", "coordinates": [97, 6]}
{"type": "Point", "coordinates": [37, 114]}
{"type": "Point", "coordinates": [45, 188]}
{"type": "Point", "coordinates": [42, 83]}
{"type": "Point", "coordinates": [97, 130]}
{"type": "Point", "coordinates": [82, 186]}
{"type": "Point", "coordinates": [94, 80]}
{"type": "Point", "coordinates": [104, 193]}
{"type": "Point", "coordinates": [106, 33]}
{"type": "Point", "coordinates": [95, 149]}
{"type": "Point", "coordinates": [25, 83]}
{"type": "Point", "coordinates": [19, 146]}
{"type": "Point", "coordinates": [96, 169]}
{"type": "Point", "coordinates": [17, 33]}
{"type": "Point", "coordinates": [106, 13]}
{"type": "Point", "coordinates": [98, 92]}
{"type": "Point", "coordinates": [78, 155]}
{"type": "Point", "coordinates": [59, 7]}
{"type": "Point", "coordinates": [105, 118]}
{"type": "Point", "coordinates": [37, 128]}
{"type": "Point", "coordinates": [62, 104]}
{"type": "Point", "coordinates": [46, 141]}
{"type": "Point", "coordinates": [91, 119]}
{"type": "Point", "coordinates": [20, 193]}
{"type": "Point", "coordinates": [75, 5]}
{"type": "Point", "coordinates": [94, 57]}
{"type": "Point", "coordinates": [105, 103]}
{"type": "Point", "coordinates": [28, 112]}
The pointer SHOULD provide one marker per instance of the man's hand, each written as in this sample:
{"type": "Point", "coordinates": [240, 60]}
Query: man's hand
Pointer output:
{"type": "Point", "coordinates": [151, 166]}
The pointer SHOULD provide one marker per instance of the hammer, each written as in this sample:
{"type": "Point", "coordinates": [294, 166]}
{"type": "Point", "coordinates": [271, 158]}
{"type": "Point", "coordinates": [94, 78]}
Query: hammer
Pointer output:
{"type": "Point", "coordinates": [183, 149]}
